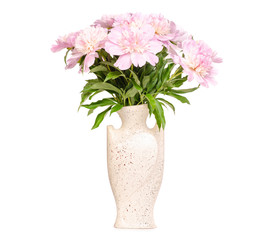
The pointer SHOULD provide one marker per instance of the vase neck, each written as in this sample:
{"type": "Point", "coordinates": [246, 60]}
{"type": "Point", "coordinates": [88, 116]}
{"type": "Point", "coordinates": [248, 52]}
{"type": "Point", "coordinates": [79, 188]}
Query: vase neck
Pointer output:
{"type": "Point", "coordinates": [134, 116]}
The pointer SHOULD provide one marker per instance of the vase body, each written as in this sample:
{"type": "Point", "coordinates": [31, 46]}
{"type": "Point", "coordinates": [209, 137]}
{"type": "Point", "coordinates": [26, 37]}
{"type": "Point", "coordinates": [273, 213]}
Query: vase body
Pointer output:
{"type": "Point", "coordinates": [135, 166]}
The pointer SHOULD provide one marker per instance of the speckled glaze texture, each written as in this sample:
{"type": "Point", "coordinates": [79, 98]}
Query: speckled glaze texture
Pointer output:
{"type": "Point", "coordinates": [135, 167]}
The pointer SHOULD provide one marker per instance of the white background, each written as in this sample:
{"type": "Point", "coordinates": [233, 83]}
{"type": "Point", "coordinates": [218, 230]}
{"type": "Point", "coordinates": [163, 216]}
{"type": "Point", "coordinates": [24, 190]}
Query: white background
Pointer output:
{"type": "Point", "coordinates": [219, 180]}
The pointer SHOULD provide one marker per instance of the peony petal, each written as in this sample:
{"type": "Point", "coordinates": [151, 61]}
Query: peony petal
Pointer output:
{"type": "Point", "coordinates": [176, 59]}
{"type": "Point", "coordinates": [190, 75]}
{"type": "Point", "coordinates": [148, 32]}
{"type": "Point", "coordinates": [89, 61]}
{"type": "Point", "coordinates": [173, 27]}
{"type": "Point", "coordinates": [71, 62]}
{"type": "Point", "coordinates": [138, 59]}
{"type": "Point", "coordinates": [151, 58]}
{"type": "Point", "coordinates": [56, 48]}
{"type": "Point", "coordinates": [202, 81]}
{"type": "Point", "coordinates": [167, 37]}
{"type": "Point", "coordinates": [216, 59]}
{"type": "Point", "coordinates": [155, 46]}
{"type": "Point", "coordinates": [115, 35]}
{"type": "Point", "coordinates": [134, 59]}
{"type": "Point", "coordinates": [76, 54]}
{"type": "Point", "coordinates": [124, 62]}
{"type": "Point", "coordinates": [113, 48]}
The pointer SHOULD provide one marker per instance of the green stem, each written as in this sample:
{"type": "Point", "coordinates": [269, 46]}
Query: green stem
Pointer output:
{"type": "Point", "coordinates": [132, 68]}
{"type": "Point", "coordinates": [174, 75]}
{"type": "Point", "coordinates": [141, 99]}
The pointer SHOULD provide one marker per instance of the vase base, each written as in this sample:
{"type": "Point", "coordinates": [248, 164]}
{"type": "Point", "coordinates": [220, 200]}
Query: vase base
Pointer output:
{"type": "Point", "coordinates": [119, 226]}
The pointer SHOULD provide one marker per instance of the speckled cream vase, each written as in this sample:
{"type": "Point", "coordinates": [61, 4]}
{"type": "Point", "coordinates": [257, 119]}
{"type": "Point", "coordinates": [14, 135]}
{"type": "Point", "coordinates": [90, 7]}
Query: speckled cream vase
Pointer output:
{"type": "Point", "coordinates": [135, 167]}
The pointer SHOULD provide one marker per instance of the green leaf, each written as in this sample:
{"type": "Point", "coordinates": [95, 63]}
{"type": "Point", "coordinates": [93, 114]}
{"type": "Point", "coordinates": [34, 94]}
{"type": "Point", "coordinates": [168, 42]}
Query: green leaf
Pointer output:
{"type": "Point", "coordinates": [152, 83]}
{"type": "Point", "coordinates": [99, 69]}
{"type": "Point", "coordinates": [100, 117]}
{"type": "Point", "coordinates": [184, 90]}
{"type": "Point", "coordinates": [167, 103]}
{"type": "Point", "coordinates": [167, 72]}
{"type": "Point", "coordinates": [84, 96]}
{"type": "Point", "coordinates": [100, 76]}
{"type": "Point", "coordinates": [100, 103]}
{"type": "Point", "coordinates": [160, 79]}
{"type": "Point", "coordinates": [106, 86]}
{"type": "Point", "coordinates": [159, 115]}
{"type": "Point", "coordinates": [151, 100]}
{"type": "Point", "coordinates": [150, 108]}
{"type": "Point", "coordinates": [169, 60]}
{"type": "Point", "coordinates": [96, 92]}
{"type": "Point", "coordinates": [131, 92]}
{"type": "Point", "coordinates": [149, 69]}
{"type": "Point", "coordinates": [87, 94]}
{"type": "Point", "coordinates": [135, 77]}
{"type": "Point", "coordinates": [116, 108]}
{"type": "Point", "coordinates": [176, 82]}
{"type": "Point", "coordinates": [87, 87]}
{"type": "Point", "coordinates": [92, 81]}
{"type": "Point", "coordinates": [112, 75]}
{"type": "Point", "coordinates": [135, 81]}
{"type": "Point", "coordinates": [145, 81]}
{"type": "Point", "coordinates": [162, 104]}
{"type": "Point", "coordinates": [178, 70]}
{"type": "Point", "coordinates": [139, 88]}
{"type": "Point", "coordinates": [90, 112]}
{"type": "Point", "coordinates": [179, 97]}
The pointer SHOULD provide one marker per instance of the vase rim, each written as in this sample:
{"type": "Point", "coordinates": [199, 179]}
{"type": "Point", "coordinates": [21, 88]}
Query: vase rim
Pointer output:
{"type": "Point", "coordinates": [133, 106]}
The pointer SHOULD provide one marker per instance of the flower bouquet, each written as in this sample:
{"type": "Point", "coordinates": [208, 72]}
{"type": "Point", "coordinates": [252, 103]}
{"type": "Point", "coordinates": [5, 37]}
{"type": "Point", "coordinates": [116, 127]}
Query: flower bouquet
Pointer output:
{"type": "Point", "coordinates": [137, 58]}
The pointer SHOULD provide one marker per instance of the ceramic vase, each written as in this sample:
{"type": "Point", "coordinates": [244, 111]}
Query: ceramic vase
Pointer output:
{"type": "Point", "coordinates": [135, 166]}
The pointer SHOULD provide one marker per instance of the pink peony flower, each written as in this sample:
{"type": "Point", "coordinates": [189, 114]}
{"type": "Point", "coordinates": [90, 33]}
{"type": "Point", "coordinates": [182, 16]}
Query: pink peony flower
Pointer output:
{"type": "Point", "coordinates": [139, 20]}
{"type": "Point", "coordinates": [166, 30]}
{"type": "Point", "coordinates": [67, 41]}
{"type": "Point", "coordinates": [90, 39]}
{"type": "Point", "coordinates": [136, 20]}
{"type": "Point", "coordinates": [197, 61]}
{"type": "Point", "coordinates": [87, 43]}
{"type": "Point", "coordinates": [161, 25]}
{"type": "Point", "coordinates": [106, 21]}
{"type": "Point", "coordinates": [122, 20]}
{"type": "Point", "coordinates": [134, 46]}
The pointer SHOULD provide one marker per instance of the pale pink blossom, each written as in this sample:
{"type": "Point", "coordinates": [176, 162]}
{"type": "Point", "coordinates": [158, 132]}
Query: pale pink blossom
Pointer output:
{"type": "Point", "coordinates": [90, 39]}
{"type": "Point", "coordinates": [67, 41]}
{"type": "Point", "coordinates": [161, 25]}
{"type": "Point", "coordinates": [106, 21]}
{"type": "Point", "coordinates": [122, 20]}
{"type": "Point", "coordinates": [139, 20]}
{"type": "Point", "coordinates": [87, 43]}
{"type": "Point", "coordinates": [134, 46]}
{"type": "Point", "coordinates": [197, 61]}
{"type": "Point", "coordinates": [132, 20]}
{"type": "Point", "coordinates": [166, 30]}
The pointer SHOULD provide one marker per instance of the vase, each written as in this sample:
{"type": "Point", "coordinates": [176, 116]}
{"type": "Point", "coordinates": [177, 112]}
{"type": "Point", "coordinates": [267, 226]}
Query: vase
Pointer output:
{"type": "Point", "coordinates": [135, 166]}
